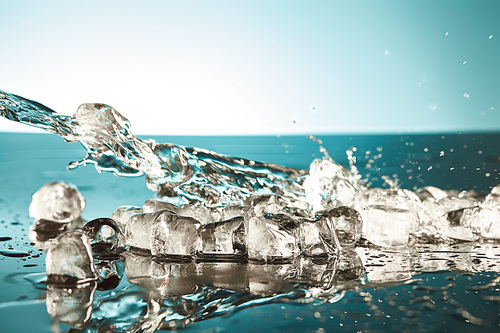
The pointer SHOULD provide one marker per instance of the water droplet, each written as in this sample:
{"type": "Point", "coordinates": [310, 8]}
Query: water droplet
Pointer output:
{"type": "Point", "coordinates": [491, 36]}
{"type": "Point", "coordinates": [465, 61]}
{"type": "Point", "coordinates": [466, 95]}
{"type": "Point", "coordinates": [446, 34]}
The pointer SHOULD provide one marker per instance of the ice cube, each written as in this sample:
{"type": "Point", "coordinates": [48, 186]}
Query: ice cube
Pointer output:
{"type": "Point", "coordinates": [272, 237]}
{"type": "Point", "coordinates": [432, 193]}
{"type": "Point", "coordinates": [152, 205]}
{"type": "Point", "coordinates": [486, 219]}
{"type": "Point", "coordinates": [71, 305]}
{"type": "Point", "coordinates": [228, 212]}
{"type": "Point", "coordinates": [457, 224]}
{"type": "Point", "coordinates": [328, 185]}
{"type": "Point", "coordinates": [138, 230]}
{"type": "Point", "coordinates": [386, 225]}
{"type": "Point", "coordinates": [123, 213]}
{"type": "Point", "coordinates": [317, 237]}
{"type": "Point", "coordinates": [268, 204]}
{"type": "Point", "coordinates": [173, 235]}
{"type": "Point", "coordinates": [347, 223]}
{"type": "Point", "coordinates": [58, 202]}
{"type": "Point", "coordinates": [69, 259]}
{"type": "Point", "coordinates": [104, 234]}
{"type": "Point", "coordinates": [200, 213]}
{"type": "Point", "coordinates": [225, 239]}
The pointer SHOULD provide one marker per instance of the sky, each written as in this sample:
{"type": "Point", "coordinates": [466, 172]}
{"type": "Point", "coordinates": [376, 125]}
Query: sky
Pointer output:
{"type": "Point", "coordinates": [260, 67]}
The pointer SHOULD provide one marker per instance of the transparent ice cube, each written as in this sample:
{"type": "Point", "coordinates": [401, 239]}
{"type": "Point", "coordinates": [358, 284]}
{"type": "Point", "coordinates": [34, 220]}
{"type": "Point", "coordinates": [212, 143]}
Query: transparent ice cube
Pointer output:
{"type": "Point", "coordinates": [152, 205]}
{"type": "Point", "coordinates": [174, 235]}
{"type": "Point", "coordinates": [58, 202]}
{"type": "Point", "coordinates": [386, 225]}
{"type": "Point", "coordinates": [347, 223]}
{"type": "Point", "coordinates": [328, 185]}
{"type": "Point", "coordinates": [485, 220]}
{"type": "Point", "coordinates": [223, 239]}
{"type": "Point", "coordinates": [317, 237]}
{"type": "Point", "coordinates": [138, 230]}
{"type": "Point", "coordinates": [272, 237]}
{"type": "Point", "coordinates": [123, 213]}
{"type": "Point", "coordinates": [69, 259]}
{"type": "Point", "coordinates": [267, 204]}
{"type": "Point", "coordinates": [200, 213]}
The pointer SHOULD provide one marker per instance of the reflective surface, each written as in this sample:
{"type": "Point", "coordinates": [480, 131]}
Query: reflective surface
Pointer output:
{"type": "Point", "coordinates": [431, 287]}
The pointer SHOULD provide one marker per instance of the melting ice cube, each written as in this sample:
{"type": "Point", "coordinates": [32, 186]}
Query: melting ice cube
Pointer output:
{"type": "Point", "coordinates": [122, 214]}
{"type": "Point", "coordinates": [317, 237]}
{"type": "Point", "coordinates": [272, 237]}
{"type": "Point", "coordinates": [347, 223]}
{"type": "Point", "coordinates": [69, 259]}
{"type": "Point", "coordinates": [225, 238]}
{"type": "Point", "coordinates": [386, 225]}
{"type": "Point", "coordinates": [58, 202]}
{"type": "Point", "coordinates": [138, 229]}
{"type": "Point", "coordinates": [174, 235]}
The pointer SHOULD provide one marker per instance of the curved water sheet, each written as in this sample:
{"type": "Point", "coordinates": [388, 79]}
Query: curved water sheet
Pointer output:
{"type": "Point", "coordinates": [237, 244]}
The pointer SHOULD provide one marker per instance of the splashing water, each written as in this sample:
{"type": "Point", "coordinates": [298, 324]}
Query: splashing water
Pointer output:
{"type": "Point", "coordinates": [289, 216]}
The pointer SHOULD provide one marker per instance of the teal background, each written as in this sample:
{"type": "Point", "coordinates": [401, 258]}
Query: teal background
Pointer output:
{"type": "Point", "coordinates": [260, 67]}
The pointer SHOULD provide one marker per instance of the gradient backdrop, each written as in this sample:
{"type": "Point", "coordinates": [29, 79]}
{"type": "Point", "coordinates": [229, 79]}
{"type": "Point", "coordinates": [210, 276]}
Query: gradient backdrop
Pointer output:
{"type": "Point", "coordinates": [260, 67]}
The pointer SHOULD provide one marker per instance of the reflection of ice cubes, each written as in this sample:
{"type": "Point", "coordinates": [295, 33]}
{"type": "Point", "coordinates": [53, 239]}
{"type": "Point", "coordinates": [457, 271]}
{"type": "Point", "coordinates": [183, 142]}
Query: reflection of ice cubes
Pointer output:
{"type": "Point", "coordinates": [58, 202]}
{"type": "Point", "coordinates": [224, 238]}
{"type": "Point", "coordinates": [349, 267]}
{"type": "Point", "coordinates": [69, 259]}
{"type": "Point", "coordinates": [72, 305]}
{"type": "Point", "coordinates": [317, 236]}
{"type": "Point", "coordinates": [272, 237]}
{"type": "Point", "coordinates": [270, 279]}
{"type": "Point", "coordinates": [347, 223]}
{"type": "Point", "coordinates": [138, 229]}
{"type": "Point", "coordinates": [174, 235]}
{"type": "Point", "coordinates": [175, 279]}
{"type": "Point", "coordinates": [386, 265]}
{"type": "Point", "coordinates": [137, 267]}
{"type": "Point", "coordinates": [486, 257]}
{"type": "Point", "coordinates": [386, 225]}
{"type": "Point", "coordinates": [440, 257]}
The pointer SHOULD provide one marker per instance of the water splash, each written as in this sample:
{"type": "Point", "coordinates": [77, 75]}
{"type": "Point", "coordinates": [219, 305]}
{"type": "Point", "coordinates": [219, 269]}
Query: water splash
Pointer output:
{"type": "Point", "coordinates": [195, 175]}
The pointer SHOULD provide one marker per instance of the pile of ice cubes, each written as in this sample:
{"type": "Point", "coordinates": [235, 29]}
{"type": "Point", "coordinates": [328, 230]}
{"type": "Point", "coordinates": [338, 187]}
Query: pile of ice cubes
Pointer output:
{"type": "Point", "coordinates": [267, 229]}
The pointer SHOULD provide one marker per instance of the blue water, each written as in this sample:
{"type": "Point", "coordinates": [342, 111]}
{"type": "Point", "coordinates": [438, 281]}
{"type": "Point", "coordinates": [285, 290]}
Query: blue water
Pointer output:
{"type": "Point", "coordinates": [450, 300]}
